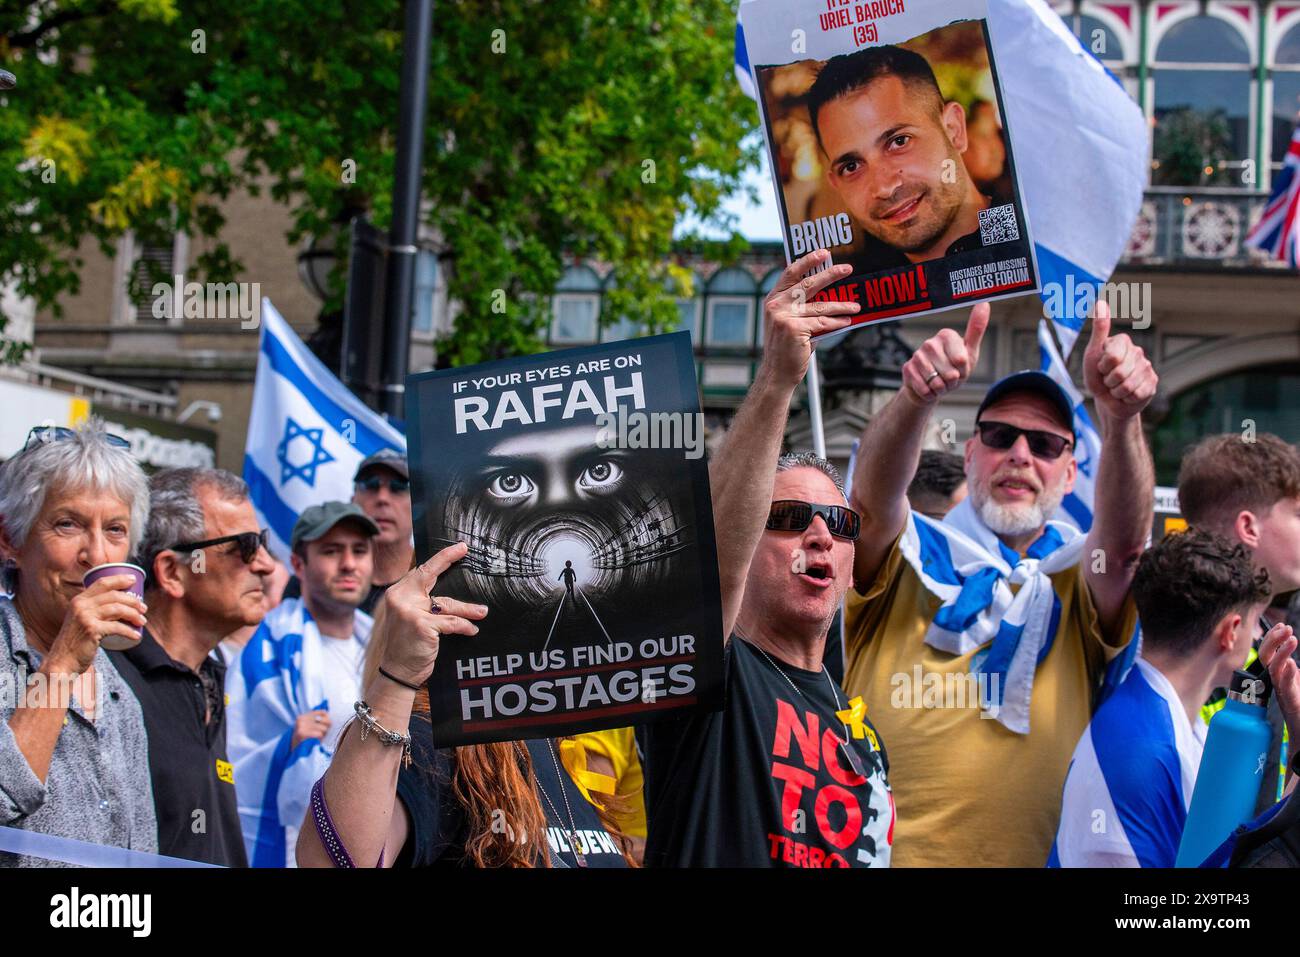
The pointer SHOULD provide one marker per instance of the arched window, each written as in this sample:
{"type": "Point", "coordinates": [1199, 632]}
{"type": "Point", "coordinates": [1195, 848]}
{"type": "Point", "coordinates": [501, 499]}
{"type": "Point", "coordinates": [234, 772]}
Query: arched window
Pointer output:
{"type": "Point", "coordinates": [575, 307]}
{"type": "Point", "coordinates": [621, 327]}
{"type": "Point", "coordinates": [1286, 93]}
{"type": "Point", "coordinates": [1097, 37]}
{"type": "Point", "coordinates": [769, 282]}
{"type": "Point", "coordinates": [1260, 394]}
{"type": "Point", "coordinates": [1203, 83]}
{"type": "Point", "coordinates": [688, 309]}
{"type": "Point", "coordinates": [426, 288]}
{"type": "Point", "coordinates": [729, 309]}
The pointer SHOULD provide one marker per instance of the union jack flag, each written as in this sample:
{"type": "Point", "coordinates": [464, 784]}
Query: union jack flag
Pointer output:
{"type": "Point", "coordinates": [1278, 232]}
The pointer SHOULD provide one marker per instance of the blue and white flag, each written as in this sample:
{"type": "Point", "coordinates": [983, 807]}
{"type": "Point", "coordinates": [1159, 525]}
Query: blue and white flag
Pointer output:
{"type": "Point", "coordinates": [1076, 507]}
{"type": "Point", "coordinates": [963, 564]}
{"type": "Point", "coordinates": [1080, 143]}
{"type": "Point", "coordinates": [743, 76]}
{"type": "Point", "coordinates": [281, 674]}
{"type": "Point", "coordinates": [1136, 764]}
{"type": "Point", "coordinates": [306, 434]}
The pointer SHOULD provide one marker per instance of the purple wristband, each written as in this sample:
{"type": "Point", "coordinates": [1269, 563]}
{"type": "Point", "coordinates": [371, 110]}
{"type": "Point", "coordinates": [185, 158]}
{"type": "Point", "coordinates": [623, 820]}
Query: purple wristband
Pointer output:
{"type": "Point", "coordinates": [329, 835]}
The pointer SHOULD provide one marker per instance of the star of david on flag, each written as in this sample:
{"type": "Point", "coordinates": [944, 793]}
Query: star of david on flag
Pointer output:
{"type": "Point", "coordinates": [306, 434]}
{"type": "Point", "coordinates": [316, 457]}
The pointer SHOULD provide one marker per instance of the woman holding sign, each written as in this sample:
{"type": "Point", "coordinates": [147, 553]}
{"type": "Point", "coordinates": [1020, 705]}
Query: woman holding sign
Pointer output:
{"type": "Point", "coordinates": [391, 798]}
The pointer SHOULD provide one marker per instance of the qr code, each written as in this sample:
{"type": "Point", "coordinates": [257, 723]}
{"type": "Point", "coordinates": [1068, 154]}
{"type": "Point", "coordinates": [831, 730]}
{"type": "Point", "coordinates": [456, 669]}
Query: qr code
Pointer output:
{"type": "Point", "coordinates": [999, 225]}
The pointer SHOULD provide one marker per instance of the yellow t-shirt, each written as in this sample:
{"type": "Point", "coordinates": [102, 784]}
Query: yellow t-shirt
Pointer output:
{"type": "Point", "coordinates": [970, 792]}
{"type": "Point", "coordinates": [619, 745]}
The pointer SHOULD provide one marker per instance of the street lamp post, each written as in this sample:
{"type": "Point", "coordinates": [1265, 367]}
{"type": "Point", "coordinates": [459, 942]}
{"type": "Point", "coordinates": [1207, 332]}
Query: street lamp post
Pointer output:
{"type": "Point", "coordinates": [402, 249]}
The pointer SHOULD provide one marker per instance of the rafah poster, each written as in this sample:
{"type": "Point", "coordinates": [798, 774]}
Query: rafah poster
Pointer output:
{"type": "Point", "coordinates": [578, 481]}
{"type": "Point", "coordinates": [889, 146]}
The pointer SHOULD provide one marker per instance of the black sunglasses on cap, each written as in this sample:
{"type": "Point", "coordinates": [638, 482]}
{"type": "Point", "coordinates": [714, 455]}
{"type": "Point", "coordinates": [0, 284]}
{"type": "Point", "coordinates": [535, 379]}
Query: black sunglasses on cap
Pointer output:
{"type": "Point", "coordinates": [792, 515]}
{"type": "Point", "coordinates": [1043, 445]}
{"type": "Point", "coordinates": [373, 483]}
{"type": "Point", "coordinates": [249, 544]}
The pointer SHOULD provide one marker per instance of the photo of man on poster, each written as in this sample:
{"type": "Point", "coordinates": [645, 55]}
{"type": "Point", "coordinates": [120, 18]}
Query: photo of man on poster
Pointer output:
{"type": "Point", "coordinates": [895, 153]}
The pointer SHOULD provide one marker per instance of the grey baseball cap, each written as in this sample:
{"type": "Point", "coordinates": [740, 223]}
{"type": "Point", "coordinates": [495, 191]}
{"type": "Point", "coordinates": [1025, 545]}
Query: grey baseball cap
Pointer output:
{"type": "Point", "coordinates": [319, 519]}
{"type": "Point", "coordinates": [389, 459]}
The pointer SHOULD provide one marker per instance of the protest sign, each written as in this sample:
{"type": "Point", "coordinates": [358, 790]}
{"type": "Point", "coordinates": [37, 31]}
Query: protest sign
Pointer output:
{"type": "Point", "coordinates": [889, 146]}
{"type": "Point", "coordinates": [578, 481]}
{"type": "Point", "coordinates": [1168, 517]}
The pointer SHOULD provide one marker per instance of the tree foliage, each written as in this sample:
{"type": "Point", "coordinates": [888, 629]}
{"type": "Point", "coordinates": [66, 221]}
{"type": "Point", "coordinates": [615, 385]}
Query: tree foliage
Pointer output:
{"type": "Point", "coordinates": [554, 130]}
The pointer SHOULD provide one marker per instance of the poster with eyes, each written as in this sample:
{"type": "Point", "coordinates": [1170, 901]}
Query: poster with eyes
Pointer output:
{"type": "Point", "coordinates": [578, 481]}
{"type": "Point", "coordinates": [890, 145]}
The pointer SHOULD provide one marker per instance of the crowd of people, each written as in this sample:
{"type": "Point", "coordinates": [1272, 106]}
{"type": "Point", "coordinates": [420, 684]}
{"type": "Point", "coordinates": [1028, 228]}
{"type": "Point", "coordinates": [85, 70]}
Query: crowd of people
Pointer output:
{"type": "Point", "coordinates": [276, 716]}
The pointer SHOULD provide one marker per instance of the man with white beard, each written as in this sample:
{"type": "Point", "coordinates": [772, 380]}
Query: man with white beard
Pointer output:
{"type": "Point", "coordinates": [1004, 619]}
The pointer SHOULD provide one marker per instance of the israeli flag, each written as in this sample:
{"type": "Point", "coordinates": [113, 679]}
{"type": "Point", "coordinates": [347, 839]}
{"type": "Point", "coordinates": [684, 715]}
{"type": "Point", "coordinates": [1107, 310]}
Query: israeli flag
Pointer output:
{"type": "Point", "coordinates": [743, 75]}
{"type": "Point", "coordinates": [1076, 508]}
{"type": "Point", "coordinates": [1080, 144]}
{"type": "Point", "coordinates": [1081, 151]}
{"type": "Point", "coordinates": [306, 434]}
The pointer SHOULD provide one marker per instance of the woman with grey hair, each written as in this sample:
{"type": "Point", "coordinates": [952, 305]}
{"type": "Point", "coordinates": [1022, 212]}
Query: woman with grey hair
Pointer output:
{"type": "Point", "coordinates": [73, 756]}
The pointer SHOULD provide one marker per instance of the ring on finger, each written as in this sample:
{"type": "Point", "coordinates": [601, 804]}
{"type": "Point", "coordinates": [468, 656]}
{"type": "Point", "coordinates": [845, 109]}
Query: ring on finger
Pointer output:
{"type": "Point", "coordinates": [434, 606]}
{"type": "Point", "coordinates": [933, 375]}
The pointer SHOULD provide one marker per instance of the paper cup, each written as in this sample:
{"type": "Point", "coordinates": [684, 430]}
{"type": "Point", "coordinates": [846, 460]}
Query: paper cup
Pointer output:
{"type": "Point", "coordinates": [117, 642]}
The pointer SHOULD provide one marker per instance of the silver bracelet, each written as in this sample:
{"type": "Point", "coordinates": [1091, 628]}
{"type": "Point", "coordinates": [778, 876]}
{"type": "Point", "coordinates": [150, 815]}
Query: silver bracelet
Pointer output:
{"type": "Point", "coordinates": [387, 738]}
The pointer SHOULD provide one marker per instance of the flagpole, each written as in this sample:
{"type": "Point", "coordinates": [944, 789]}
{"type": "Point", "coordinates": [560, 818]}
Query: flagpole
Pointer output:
{"type": "Point", "coordinates": [814, 382]}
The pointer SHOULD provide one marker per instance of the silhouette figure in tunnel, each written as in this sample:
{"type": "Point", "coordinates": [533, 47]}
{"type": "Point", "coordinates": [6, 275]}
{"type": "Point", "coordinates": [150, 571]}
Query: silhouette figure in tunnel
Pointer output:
{"type": "Point", "coordinates": [569, 576]}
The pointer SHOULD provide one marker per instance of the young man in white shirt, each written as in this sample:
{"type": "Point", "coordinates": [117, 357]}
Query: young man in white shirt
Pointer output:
{"type": "Point", "coordinates": [298, 679]}
{"type": "Point", "coordinates": [1130, 783]}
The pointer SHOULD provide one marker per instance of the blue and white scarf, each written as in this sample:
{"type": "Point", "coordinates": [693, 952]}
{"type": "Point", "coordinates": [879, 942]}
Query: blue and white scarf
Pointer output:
{"type": "Point", "coordinates": [277, 678]}
{"type": "Point", "coordinates": [964, 564]}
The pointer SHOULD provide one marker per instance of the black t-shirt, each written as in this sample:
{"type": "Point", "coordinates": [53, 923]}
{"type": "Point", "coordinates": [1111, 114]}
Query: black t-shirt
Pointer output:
{"type": "Point", "coordinates": [293, 589]}
{"type": "Point", "coordinates": [765, 782]}
{"type": "Point", "coordinates": [193, 779]}
{"type": "Point", "coordinates": [439, 824]}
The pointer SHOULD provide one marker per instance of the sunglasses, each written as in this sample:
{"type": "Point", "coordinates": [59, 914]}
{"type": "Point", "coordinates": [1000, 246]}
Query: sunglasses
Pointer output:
{"type": "Point", "coordinates": [57, 433]}
{"type": "Point", "coordinates": [1043, 445]}
{"type": "Point", "coordinates": [249, 544]}
{"type": "Point", "coordinates": [373, 483]}
{"type": "Point", "coordinates": [791, 515]}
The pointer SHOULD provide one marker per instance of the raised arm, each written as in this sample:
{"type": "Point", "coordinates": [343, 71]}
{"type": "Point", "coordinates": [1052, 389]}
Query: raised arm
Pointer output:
{"type": "Point", "coordinates": [1122, 382]}
{"type": "Point", "coordinates": [103, 609]}
{"type": "Point", "coordinates": [1278, 654]}
{"type": "Point", "coordinates": [361, 783]}
{"type": "Point", "coordinates": [892, 442]}
{"type": "Point", "coordinates": [743, 473]}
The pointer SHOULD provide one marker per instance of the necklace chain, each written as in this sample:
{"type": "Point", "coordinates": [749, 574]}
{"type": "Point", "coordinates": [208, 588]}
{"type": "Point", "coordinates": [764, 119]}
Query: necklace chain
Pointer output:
{"type": "Point", "coordinates": [573, 824]}
{"type": "Point", "coordinates": [834, 693]}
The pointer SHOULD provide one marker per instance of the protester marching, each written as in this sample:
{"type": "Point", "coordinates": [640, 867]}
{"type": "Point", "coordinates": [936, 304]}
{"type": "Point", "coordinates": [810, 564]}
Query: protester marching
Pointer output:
{"type": "Point", "coordinates": [540, 608]}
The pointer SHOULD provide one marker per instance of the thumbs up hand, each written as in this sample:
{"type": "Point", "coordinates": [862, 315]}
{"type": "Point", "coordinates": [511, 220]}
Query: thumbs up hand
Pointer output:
{"type": "Point", "coordinates": [945, 361]}
{"type": "Point", "coordinates": [1118, 373]}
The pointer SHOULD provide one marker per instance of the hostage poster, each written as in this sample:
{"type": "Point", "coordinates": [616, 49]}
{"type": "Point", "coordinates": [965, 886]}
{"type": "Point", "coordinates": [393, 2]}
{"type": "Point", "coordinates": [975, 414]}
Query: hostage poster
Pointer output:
{"type": "Point", "coordinates": [889, 146]}
{"type": "Point", "coordinates": [578, 480]}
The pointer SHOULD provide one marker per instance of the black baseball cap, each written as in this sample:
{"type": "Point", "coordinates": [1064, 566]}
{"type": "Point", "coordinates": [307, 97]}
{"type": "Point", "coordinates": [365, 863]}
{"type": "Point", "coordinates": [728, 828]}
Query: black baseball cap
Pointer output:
{"type": "Point", "coordinates": [1039, 383]}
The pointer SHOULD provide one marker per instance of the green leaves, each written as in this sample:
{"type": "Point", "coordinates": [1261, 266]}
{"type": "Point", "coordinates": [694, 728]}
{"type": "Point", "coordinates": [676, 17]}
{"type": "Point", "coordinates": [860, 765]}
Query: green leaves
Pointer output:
{"type": "Point", "coordinates": [554, 129]}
